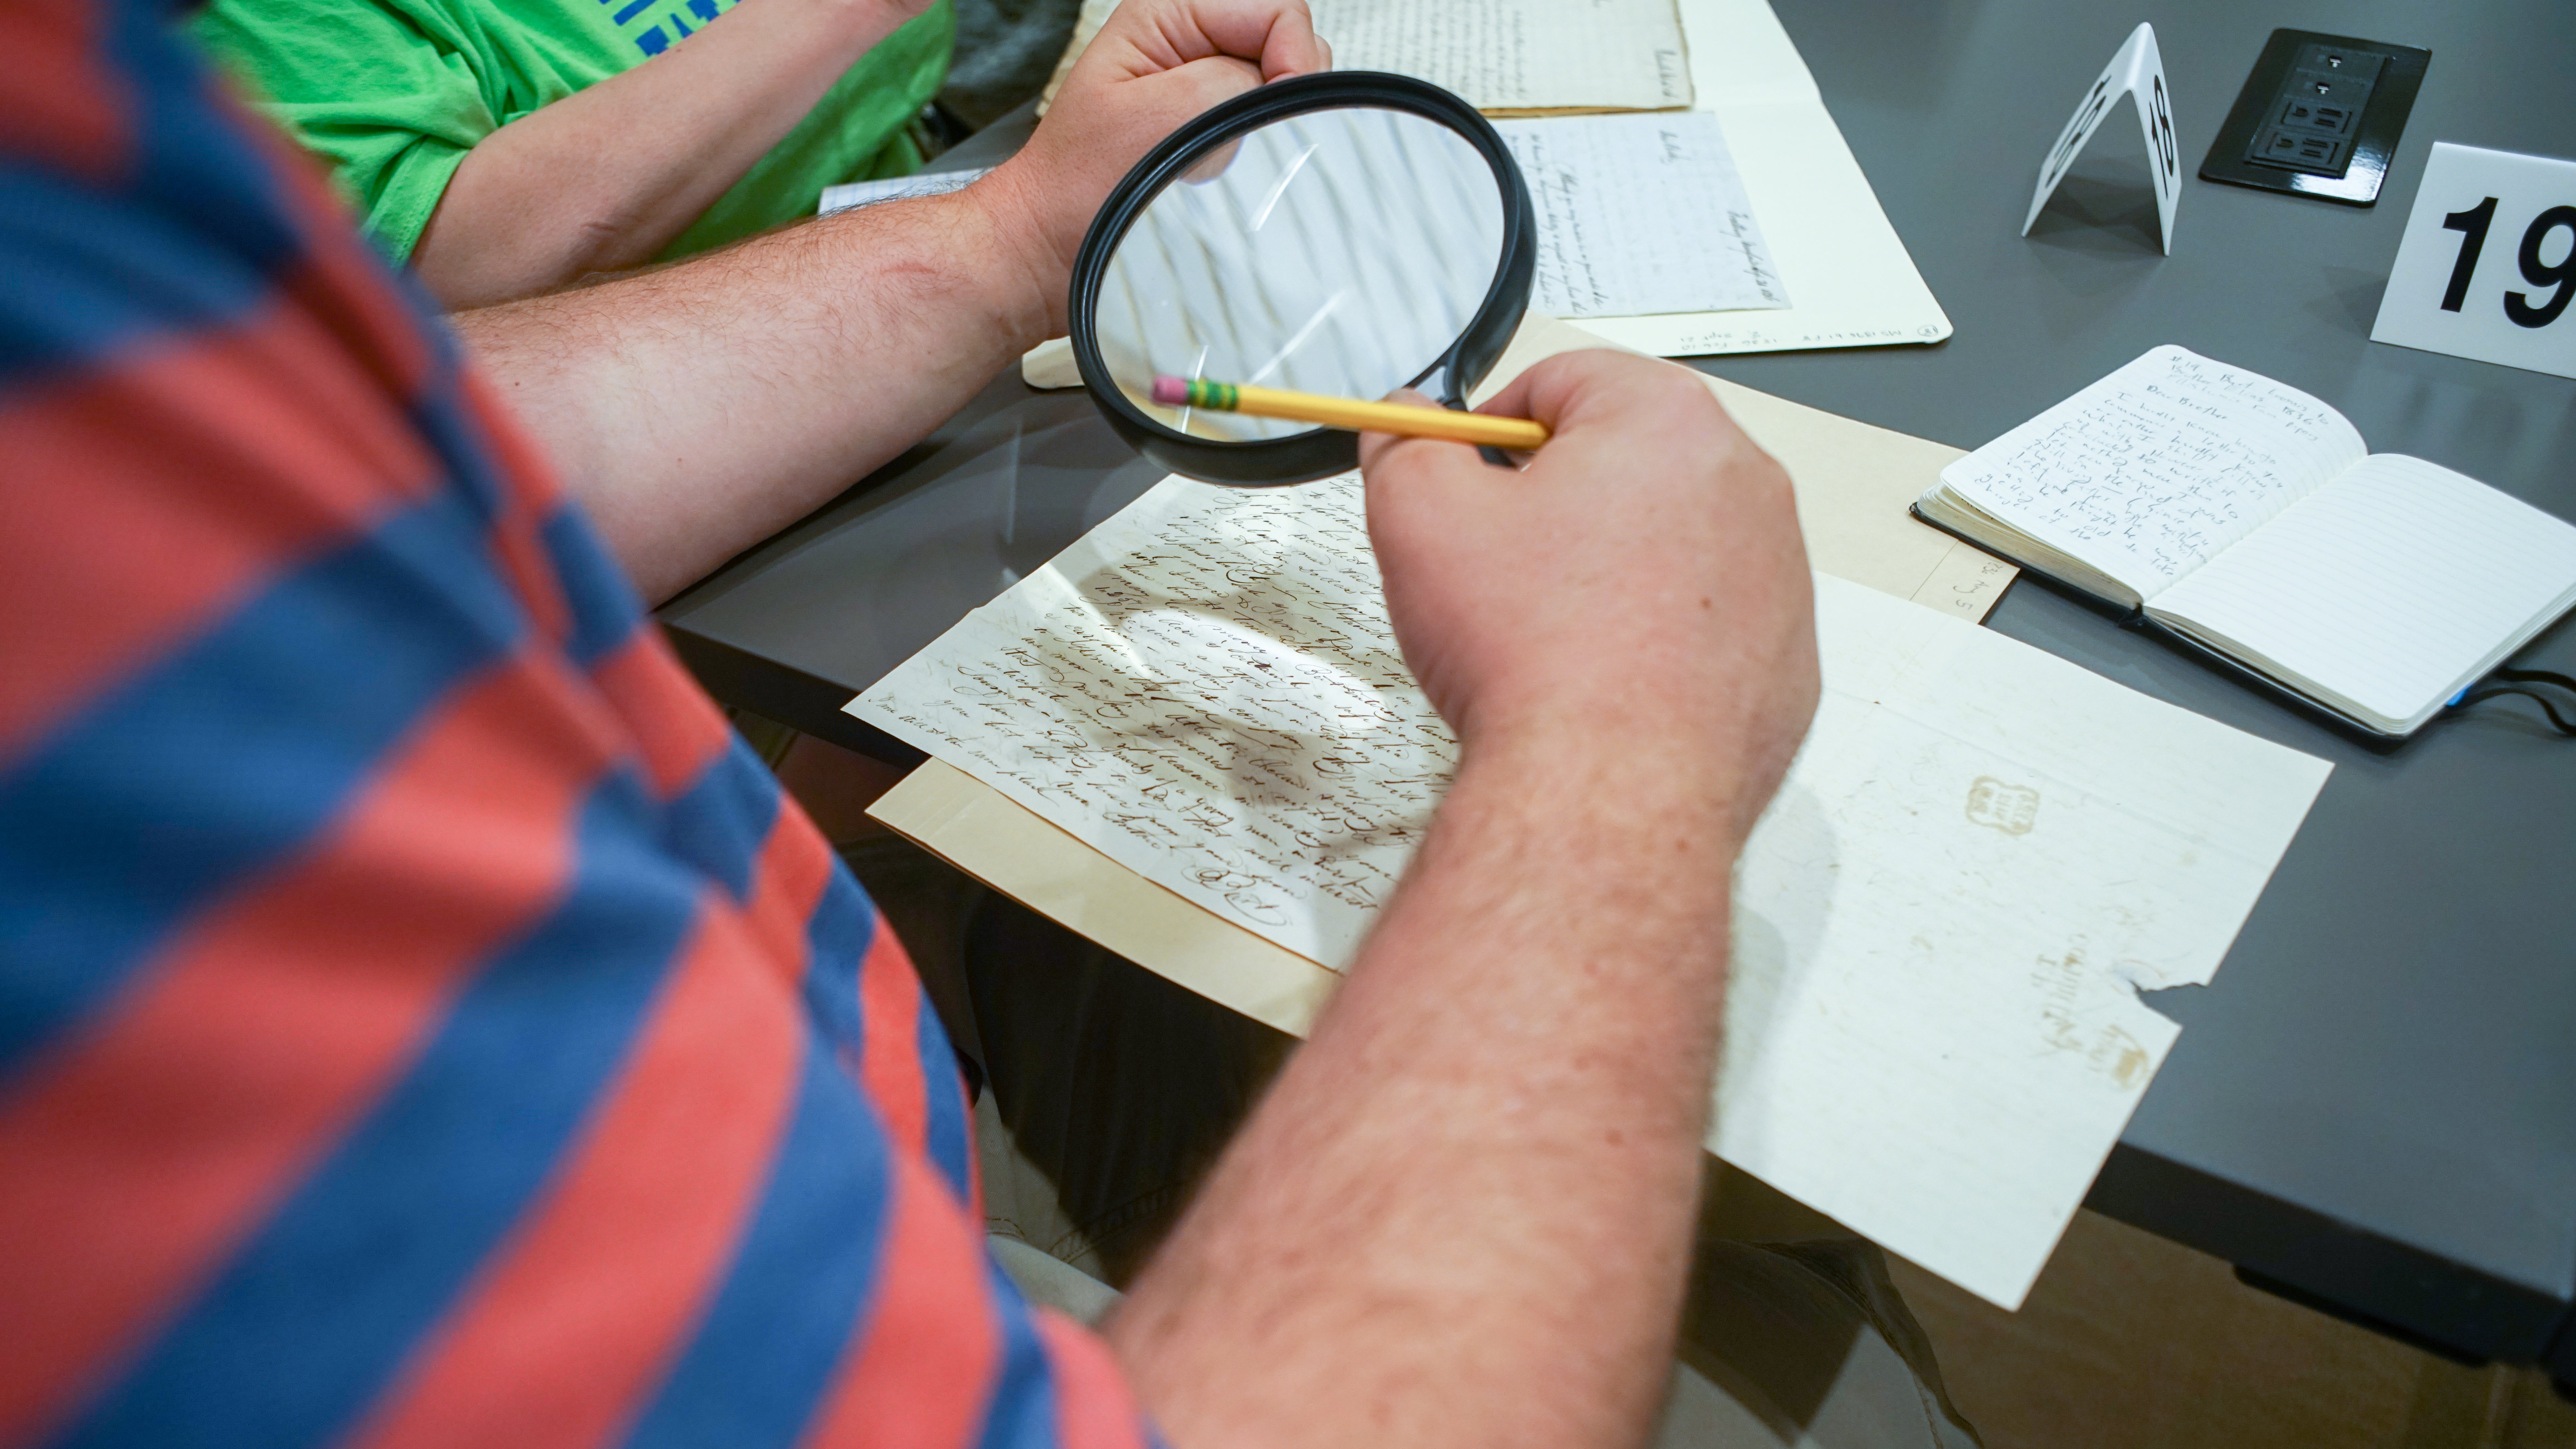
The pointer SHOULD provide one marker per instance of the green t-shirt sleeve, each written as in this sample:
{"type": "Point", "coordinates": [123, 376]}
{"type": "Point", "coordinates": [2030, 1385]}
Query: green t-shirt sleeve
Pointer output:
{"type": "Point", "coordinates": [390, 107]}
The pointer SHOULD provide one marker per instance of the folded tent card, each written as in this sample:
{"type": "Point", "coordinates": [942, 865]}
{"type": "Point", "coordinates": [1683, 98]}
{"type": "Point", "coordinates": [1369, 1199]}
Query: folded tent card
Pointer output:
{"type": "Point", "coordinates": [2138, 72]}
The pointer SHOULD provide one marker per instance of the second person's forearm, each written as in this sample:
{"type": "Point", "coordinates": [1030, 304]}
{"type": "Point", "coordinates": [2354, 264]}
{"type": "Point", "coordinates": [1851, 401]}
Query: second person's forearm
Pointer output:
{"type": "Point", "coordinates": [700, 408]}
{"type": "Point", "coordinates": [564, 191]}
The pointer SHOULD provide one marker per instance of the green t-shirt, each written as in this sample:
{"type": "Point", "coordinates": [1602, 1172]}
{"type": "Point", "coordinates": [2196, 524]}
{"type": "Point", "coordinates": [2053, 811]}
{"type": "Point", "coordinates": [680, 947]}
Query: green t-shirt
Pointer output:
{"type": "Point", "coordinates": [394, 93]}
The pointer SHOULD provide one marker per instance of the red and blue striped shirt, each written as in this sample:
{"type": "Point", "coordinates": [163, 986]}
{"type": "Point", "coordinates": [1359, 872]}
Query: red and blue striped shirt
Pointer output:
{"type": "Point", "coordinates": [421, 1022]}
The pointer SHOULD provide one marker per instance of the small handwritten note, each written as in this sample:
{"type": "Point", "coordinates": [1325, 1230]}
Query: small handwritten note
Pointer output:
{"type": "Point", "coordinates": [2151, 471]}
{"type": "Point", "coordinates": [1506, 55]}
{"type": "Point", "coordinates": [1640, 215]}
{"type": "Point", "coordinates": [1206, 690]}
{"type": "Point", "coordinates": [851, 194]}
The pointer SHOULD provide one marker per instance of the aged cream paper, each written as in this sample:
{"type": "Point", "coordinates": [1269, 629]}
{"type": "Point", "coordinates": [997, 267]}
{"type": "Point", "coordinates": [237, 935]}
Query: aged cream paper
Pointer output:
{"type": "Point", "coordinates": [1854, 483]}
{"type": "Point", "coordinates": [1640, 213]}
{"type": "Point", "coordinates": [1849, 278]}
{"type": "Point", "coordinates": [1016, 851]}
{"type": "Point", "coordinates": [1506, 57]}
{"type": "Point", "coordinates": [1979, 856]}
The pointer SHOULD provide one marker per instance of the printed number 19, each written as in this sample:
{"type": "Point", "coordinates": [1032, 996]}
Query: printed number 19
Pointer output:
{"type": "Point", "coordinates": [2559, 276]}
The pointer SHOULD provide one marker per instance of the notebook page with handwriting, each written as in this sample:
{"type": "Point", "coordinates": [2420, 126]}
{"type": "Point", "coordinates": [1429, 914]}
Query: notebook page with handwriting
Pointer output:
{"type": "Point", "coordinates": [2387, 590]}
{"type": "Point", "coordinates": [2154, 469]}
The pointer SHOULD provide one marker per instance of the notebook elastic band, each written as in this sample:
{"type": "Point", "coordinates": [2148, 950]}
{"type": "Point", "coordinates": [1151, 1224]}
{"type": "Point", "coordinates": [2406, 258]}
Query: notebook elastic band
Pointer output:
{"type": "Point", "coordinates": [2527, 683]}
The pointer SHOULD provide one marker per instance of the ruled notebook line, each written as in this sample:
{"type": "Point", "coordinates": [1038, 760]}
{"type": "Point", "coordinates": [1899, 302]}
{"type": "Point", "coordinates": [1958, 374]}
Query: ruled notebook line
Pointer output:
{"type": "Point", "coordinates": [2387, 585]}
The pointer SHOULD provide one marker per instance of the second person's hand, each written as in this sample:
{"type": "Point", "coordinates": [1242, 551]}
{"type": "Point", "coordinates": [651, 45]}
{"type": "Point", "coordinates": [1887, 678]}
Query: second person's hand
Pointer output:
{"type": "Point", "coordinates": [1154, 66]}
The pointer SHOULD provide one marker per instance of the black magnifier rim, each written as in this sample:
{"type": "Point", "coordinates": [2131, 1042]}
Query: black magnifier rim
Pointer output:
{"type": "Point", "coordinates": [1322, 452]}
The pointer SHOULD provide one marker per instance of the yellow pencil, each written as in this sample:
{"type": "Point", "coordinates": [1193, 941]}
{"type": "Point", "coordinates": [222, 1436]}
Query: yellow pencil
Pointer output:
{"type": "Point", "coordinates": [1343, 412]}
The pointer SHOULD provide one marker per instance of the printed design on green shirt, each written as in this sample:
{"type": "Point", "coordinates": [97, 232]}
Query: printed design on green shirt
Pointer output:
{"type": "Point", "coordinates": [657, 35]}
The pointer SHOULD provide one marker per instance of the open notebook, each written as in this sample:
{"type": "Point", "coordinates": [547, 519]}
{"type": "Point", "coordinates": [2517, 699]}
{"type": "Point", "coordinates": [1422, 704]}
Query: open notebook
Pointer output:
{"type": "Point", "coordinates": [2249, 519]}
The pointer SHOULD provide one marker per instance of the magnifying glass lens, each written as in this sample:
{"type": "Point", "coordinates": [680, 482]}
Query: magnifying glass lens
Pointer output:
{"type": "Point", "coordinates": [1339, 251]}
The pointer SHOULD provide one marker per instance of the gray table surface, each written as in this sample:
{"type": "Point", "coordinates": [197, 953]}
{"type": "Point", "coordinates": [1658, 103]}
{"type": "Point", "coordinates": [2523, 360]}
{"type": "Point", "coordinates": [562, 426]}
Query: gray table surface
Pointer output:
{"type": "Point", "coordinates": [2374, 1105]}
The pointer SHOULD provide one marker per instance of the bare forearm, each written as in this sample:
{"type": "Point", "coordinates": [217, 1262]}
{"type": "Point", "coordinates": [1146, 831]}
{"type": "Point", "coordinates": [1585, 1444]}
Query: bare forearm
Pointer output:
{"type": "Point", "coordinates": [1462, 1215]}
{"type": "Point", "coordinates": [564, 191]}
{"type": "Point", "coordinates": [698, 409]}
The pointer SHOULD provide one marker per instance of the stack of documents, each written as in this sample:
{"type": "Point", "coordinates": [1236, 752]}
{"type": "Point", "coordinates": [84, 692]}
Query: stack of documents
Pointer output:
{"type": "Point", "coordinates": [1979, 858]}
{"type": "Point", "coordinates": [1192, 738]}
{"type": "Point", "coordinates": [1693, 194]}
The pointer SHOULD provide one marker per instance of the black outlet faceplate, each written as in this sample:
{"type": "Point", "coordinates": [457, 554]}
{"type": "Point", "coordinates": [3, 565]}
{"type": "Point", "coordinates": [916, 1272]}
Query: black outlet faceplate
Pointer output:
{"type": "Point", "coordinates": [2319, 116]}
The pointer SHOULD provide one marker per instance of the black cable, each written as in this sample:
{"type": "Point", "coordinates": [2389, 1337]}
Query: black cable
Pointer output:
{"type": "Point", "coordinates": [2537, 676]}
{"type": "Point", "coordinates": [2520, 682]}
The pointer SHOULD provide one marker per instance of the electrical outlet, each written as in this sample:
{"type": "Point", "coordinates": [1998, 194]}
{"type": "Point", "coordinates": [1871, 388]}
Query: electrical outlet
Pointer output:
{"type": "Point", "coordinates": [2317, 109]}
{"type": "Point", "coordinates": [2319, 115]}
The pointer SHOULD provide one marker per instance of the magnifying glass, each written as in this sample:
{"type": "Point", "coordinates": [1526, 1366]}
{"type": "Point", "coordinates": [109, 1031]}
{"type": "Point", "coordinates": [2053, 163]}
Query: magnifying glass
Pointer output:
{"type": "Point", "coordinates": [1344, 234]}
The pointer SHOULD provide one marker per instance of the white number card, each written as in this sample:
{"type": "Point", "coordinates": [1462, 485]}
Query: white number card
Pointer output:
{"type": "Point", "coordinates": [2138, 72]}
{"type": "Point", "coordinates": [2488, 266]}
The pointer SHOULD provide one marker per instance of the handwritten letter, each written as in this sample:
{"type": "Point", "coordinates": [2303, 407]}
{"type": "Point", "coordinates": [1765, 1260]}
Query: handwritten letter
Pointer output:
{"type": "Point", "coordinates": [1206, 690]}
{"type": "Point", "coordinates": [2151, 471]}
{"type": "Point", "coordinates": [1506, 55]}
{"type": "Point", "coordinates": [1641, 215]}
{"type": "Point", "coordinates": [1502, 55]}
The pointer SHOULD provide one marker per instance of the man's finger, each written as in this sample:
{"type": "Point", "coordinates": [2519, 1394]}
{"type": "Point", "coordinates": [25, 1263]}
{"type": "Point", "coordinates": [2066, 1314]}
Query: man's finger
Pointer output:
{"type": "Point", "coordinates": [1292, 47]}
{"type": "Point", "coordinates": [1278, 35]}
{"type": "Point", "coordinates": [1556, 390]}
{"type": "Point", "coordinates": [1385, 454]}
{"type": "Point", "coordinates": [1593, 390]}
{"type": "Point", "coordinates": [1548, 389]}
{"type": "Point", "coordinates": [1216, 79]}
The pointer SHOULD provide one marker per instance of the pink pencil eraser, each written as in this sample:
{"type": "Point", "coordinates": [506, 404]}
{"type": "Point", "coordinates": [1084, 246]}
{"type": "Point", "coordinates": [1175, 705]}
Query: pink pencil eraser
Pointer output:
{"type": "Point", "coordinates": [1170, 391]}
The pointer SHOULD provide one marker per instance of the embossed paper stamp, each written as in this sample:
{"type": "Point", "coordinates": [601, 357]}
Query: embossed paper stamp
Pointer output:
{"type": "Point", "coordinates": [2008, 808]}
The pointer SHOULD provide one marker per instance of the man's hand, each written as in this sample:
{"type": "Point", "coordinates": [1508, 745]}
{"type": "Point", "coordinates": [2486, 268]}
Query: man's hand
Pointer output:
{"type": "Point", "coordinates": [1155, 65]}
{"type": "Point", "coordinates": [1462, 1215]}
{"type": "Point", "coordinates": [1640, 586]}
